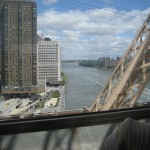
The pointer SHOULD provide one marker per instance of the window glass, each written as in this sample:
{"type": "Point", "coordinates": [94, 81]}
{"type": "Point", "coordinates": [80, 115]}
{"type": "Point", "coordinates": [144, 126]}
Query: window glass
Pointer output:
{"type": "Point", "coordinates": [94, 53]}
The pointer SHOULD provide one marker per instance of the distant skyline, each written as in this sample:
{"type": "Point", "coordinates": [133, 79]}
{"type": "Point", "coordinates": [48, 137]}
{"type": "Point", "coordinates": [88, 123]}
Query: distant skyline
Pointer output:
{"type": "Point", "coordinates": [91, 28]}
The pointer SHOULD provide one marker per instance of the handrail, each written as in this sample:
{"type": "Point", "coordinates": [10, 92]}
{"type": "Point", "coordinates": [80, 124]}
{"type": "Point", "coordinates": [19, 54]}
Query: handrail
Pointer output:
{"type": "Point", "coordinates": [16, 126]}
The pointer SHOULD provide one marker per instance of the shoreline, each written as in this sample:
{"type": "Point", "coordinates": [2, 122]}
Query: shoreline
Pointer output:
{"type": "Point", "coordinates": [97, 67]}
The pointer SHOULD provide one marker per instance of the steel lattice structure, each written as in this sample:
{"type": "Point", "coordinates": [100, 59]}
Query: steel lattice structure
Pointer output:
{"type": "Point", "coordinates": [130, 76]}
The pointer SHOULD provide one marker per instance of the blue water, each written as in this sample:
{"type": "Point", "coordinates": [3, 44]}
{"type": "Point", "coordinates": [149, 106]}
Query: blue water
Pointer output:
{"type": "Point", "coordinates": [85, 83]}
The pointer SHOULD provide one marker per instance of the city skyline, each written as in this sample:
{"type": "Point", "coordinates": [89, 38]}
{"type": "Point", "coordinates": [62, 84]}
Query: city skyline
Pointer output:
{"type": "Point", "coordinates": [91, 28]}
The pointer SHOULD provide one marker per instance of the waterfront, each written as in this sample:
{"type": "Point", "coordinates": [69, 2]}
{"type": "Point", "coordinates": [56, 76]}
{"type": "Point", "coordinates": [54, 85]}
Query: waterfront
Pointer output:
{"type": "Point", "coordinates": [83, 85]}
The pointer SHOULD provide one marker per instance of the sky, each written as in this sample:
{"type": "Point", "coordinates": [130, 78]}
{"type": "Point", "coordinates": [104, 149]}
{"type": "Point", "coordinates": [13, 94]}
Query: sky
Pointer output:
{"type": "Point", "coordinates": [90, 29]}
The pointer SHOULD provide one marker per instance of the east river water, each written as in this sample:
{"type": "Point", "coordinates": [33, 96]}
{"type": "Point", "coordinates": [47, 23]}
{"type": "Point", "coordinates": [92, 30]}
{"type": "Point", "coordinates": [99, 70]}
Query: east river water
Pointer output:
{"type": "Point", "coordinates": [84, 84]}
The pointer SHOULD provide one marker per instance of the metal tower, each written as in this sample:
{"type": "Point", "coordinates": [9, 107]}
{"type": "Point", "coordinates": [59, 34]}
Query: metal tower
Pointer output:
{"type": "Point", "coordinates": [130, 76]}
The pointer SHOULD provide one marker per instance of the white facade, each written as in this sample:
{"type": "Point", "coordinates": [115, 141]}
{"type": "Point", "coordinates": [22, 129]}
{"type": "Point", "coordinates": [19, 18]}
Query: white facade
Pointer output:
{"type": "Point", "coordinates": [49, 62]}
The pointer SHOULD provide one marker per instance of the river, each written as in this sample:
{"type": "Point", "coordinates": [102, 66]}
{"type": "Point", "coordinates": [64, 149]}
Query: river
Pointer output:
{"type": "Point", "coordinates": [85, 83]}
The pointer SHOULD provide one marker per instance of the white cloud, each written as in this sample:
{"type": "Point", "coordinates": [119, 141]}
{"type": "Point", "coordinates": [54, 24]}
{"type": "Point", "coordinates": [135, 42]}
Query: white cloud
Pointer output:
{"type": "Point", "coordinates": [49, 1]}
{"type": "Point", "coordinates": [92, 33]}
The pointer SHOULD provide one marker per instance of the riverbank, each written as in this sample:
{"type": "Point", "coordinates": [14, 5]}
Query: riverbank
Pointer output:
{"type": "Point", "coordinates": [89, 63]}
{"type": "Point", "coordinates": [64, 79]}
{"type": "Point", "coordinates": [93, 64]}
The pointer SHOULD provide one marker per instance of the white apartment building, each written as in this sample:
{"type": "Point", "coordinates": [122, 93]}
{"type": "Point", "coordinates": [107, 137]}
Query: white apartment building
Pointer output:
{"type": "Point", "coordinates": [49, 62]}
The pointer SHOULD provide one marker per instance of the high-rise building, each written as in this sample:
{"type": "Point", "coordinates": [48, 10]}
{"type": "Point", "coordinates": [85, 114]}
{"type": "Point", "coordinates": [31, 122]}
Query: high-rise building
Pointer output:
{"type": "Point", "coordinates": [18, 46]}
{"type": "Point", "coordinates": [1, 4]}
{"type": "Point", "coordinates": [105, 62]}
{"type": "Point", "coordinates": [49, 62]}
